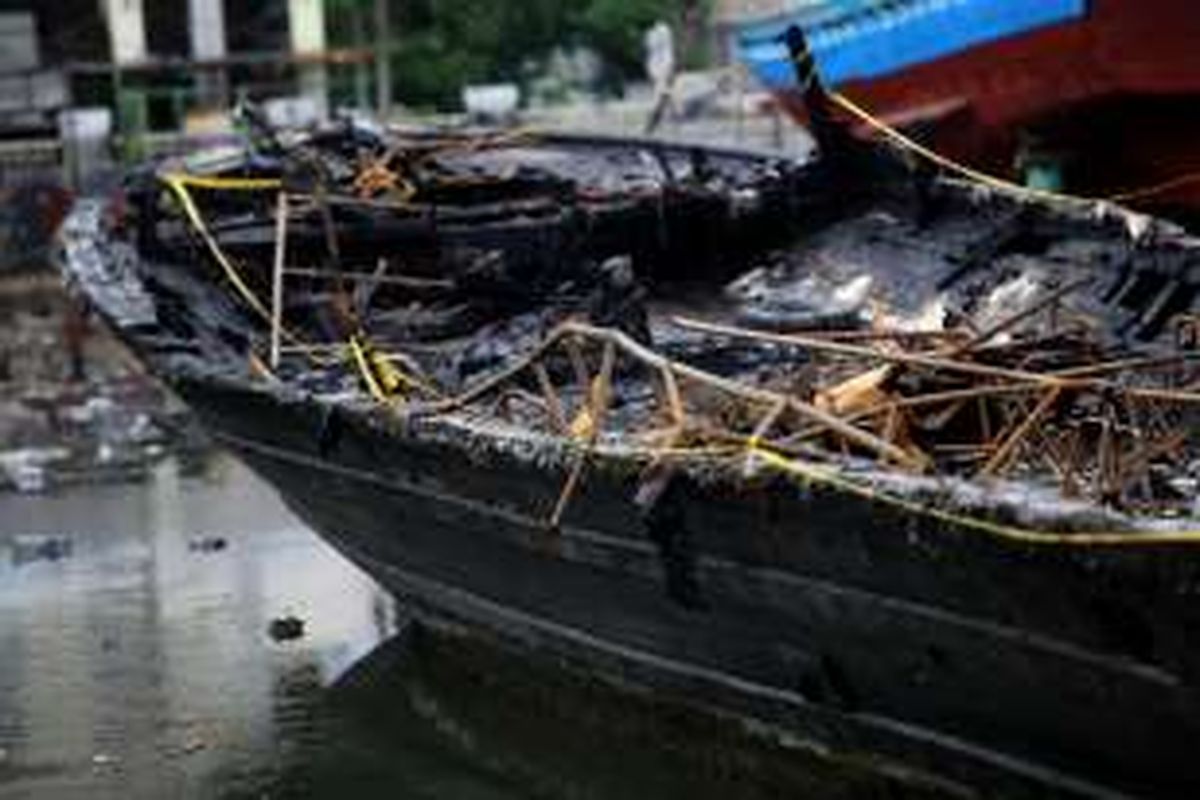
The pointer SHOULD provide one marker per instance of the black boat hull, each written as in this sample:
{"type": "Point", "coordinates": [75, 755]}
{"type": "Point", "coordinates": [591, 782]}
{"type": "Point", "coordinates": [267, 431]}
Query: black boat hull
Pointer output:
{"type": "Point", "coordinates": [811, 624]}
{"type": "Point", "coordinates": [898, 635]}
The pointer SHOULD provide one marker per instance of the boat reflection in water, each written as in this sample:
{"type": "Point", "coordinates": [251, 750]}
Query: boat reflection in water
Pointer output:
{"type": "Point", "coordinates": [136, 661]}
{"type": "Point", "coordinates": [134, 656]}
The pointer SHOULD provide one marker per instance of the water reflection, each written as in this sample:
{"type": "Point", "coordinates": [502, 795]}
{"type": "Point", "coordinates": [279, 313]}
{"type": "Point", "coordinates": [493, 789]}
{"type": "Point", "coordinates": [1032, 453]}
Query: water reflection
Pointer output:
{"type": "Point", "coordinates": [133, 663]}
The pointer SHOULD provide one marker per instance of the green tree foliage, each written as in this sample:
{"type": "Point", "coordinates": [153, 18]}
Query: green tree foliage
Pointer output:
{"type": "Point", "coordinates": [614, 28]}
{"type": "Point", "coordinates": [440, 45]}
{"type": "Point", "coordinates": [443, 44]}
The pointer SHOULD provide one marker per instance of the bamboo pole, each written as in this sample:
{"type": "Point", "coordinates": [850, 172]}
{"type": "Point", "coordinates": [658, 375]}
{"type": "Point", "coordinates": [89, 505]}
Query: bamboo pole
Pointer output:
{"type": "Point", "coordinates": [1127, 365]}
{"type": "Point", "coordinates": [554, 407]}
{"type": "Point", "coordinates": [405, 281]}
{"type": "Point", "coordinates": [1010, 445]}
{"type": "Point", "coordinates": [599, 399]}
{"type": "Point", "coordinates": [494, 382]}
{"type": "Point", "coordinates": [674, 398]}
{"type": "Point", "coordinates": [919, 401]}
{"type": "Point", "coordinates": [583, 375]}
{"type": "Point", "coordinates": [1170, 395]}
{"type": "Point", "coordinates": [939, 363]}
{"type": "Point", "coordinates": [768, 422]}
{"type": "Point", "coordinates": [763, 396]}
{"type": "Point", "coordinates": [841, 348]}
{"type": "Point", "coordinates": [884, 335]}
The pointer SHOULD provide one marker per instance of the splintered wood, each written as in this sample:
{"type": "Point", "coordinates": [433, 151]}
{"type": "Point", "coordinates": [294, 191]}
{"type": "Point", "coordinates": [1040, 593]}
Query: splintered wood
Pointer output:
{"type": "Point", "coordinates": [1115, 430]}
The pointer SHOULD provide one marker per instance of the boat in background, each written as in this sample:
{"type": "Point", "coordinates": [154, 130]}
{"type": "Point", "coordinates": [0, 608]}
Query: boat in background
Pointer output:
{"type": "Point", "coordinates": [1092, 97]}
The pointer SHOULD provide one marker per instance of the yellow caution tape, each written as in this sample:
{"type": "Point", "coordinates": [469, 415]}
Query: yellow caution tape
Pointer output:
{"type": "Point", "coordinates": [385, 381]}
{"type": "Point", "coordinates": [963, 170]}
{"type": "Point", "coordinates": [224, 184]}
{"type": "Point", "coordinates": [391, 379]}
{"type": "Point", "coordinates": [179, 185]}
{"type": "Point", "coordinates": [366, 372]}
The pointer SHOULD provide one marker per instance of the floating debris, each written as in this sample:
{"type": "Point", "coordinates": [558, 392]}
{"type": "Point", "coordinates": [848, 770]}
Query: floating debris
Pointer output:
{"type": "Point", "coordinates": [28, 549]}
{"type": "Point", "coordinates": [286, 629]}
{"type": "Point", "coordinates": [208, 544]}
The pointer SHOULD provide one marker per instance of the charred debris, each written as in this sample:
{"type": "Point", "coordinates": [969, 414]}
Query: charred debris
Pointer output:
{"type": "Point", "coordinates": [856, 321]}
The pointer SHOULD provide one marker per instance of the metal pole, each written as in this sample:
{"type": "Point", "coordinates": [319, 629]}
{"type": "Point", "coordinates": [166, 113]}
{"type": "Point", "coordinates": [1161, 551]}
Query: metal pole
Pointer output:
{"type": "Point", "coordinates": [383, 60]}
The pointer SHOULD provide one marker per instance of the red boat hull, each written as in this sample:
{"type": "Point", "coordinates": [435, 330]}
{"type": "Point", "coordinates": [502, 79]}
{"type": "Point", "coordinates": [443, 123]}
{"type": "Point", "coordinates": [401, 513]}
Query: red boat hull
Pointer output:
{"type": "Point", "coordinates": [1116, 96]}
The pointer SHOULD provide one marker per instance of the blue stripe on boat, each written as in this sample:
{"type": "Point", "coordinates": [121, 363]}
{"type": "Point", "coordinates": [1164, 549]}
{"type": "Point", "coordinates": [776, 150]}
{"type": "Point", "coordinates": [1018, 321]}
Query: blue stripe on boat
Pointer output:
{"type": "Point", "coordinates": [862, 39]}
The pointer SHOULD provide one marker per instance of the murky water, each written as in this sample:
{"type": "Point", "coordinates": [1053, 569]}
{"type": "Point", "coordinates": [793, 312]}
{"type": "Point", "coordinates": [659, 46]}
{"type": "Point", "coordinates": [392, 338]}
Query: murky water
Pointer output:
{"type": "Point", "coordinates": [136, 660]}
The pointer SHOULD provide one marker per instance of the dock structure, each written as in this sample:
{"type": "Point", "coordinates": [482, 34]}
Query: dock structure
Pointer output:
{"type": "Point", "coordinates": [157, 68]}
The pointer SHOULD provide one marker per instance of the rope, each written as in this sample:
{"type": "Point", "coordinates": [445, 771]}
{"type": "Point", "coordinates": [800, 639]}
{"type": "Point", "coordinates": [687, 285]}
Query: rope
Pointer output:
{"type": "Point", "coordinates": [992, 181]}
{"type": "Point", "coordinates": [1161, 188]}
{"type": "Point", "coordinates": [812, 473]}
{"type": "Point", "coordinates": [179, 185]}
{"type": "Point", "coordinates": [806, 61]}
{"type": "Point", "coordinates": [963, 170]}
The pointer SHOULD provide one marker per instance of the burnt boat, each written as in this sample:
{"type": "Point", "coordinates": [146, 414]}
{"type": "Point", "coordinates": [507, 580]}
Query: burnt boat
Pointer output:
{"type": "Point", "coordinates": [900, 468]}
